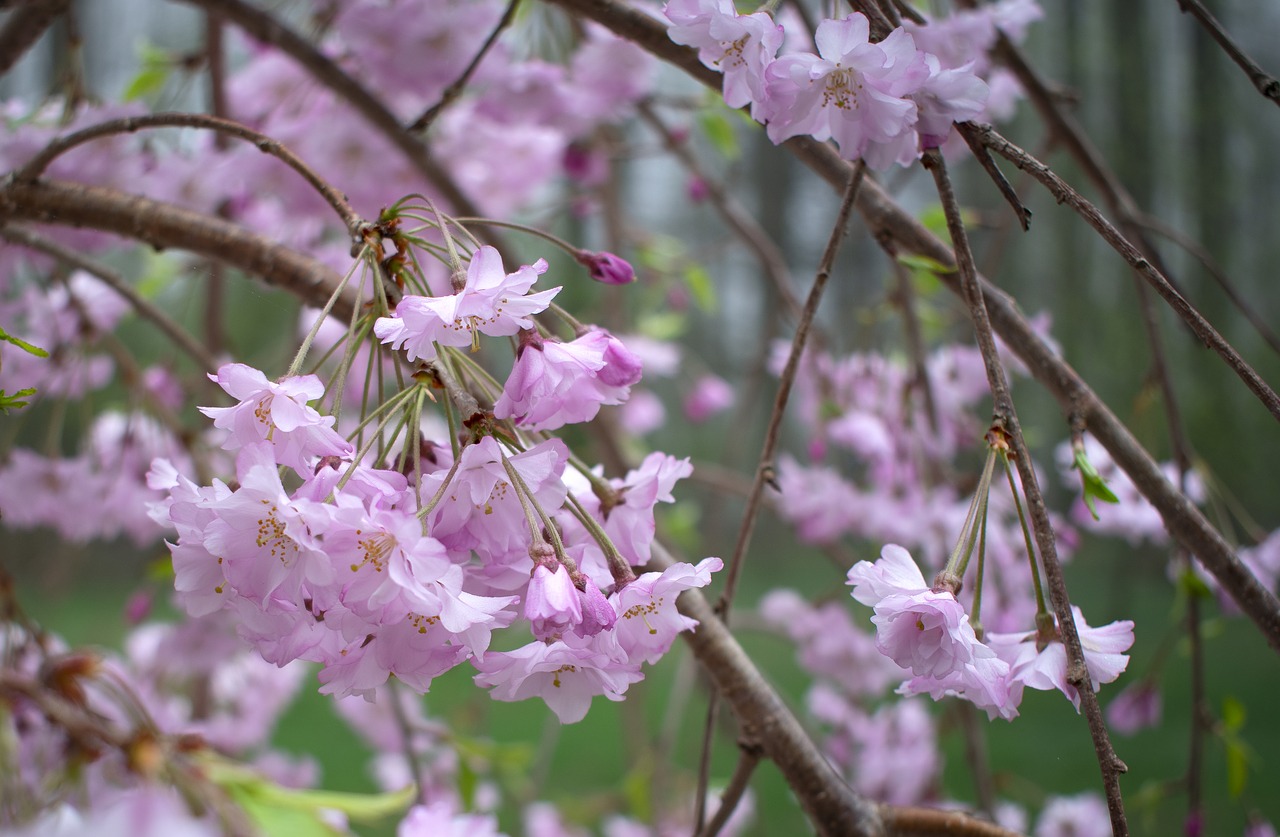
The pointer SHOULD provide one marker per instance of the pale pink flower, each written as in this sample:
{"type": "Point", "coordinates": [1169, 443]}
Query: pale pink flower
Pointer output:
{"type": "Point", "coordinates": [740, 46]}
{"type": "Point", "coordinates": [564, 676]}
{"type": "Point", "coordinates": [553, 384]}
{"type": "Point", "coordinates": [552, 603]}
{"type": "Point", "coordinates": [1084, 815]}
{"type": "Point", "coordinates": [1137, 707]}
{"type": "Point", "coordinates": [1047, 669]}
{"type": "Point", "coordinates": [276, 413]}
{"type": "Point", "coordinates": [441, 819]}
{"type": "Point", "coordinates": [492, 302]}
{"type": "Point", "coordinates": [647, 617]}
{"type": "Point", "coordinates": [852, 92]}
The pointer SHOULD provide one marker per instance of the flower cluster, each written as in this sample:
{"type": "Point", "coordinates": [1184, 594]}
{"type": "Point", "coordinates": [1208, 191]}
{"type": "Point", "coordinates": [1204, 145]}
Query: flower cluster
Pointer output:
{"type": "Point", "coordinates": [881, 101]}
{"type": "Point", "coordinates": [377, 573]}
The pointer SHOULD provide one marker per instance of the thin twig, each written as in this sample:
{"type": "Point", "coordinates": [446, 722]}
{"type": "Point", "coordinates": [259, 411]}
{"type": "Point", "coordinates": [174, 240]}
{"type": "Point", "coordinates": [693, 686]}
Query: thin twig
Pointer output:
{"type": "Point", "coordinates": [1215, 271]}
{"type": "Point", "coordinates": [765, 469]}
{"type": "Point", "coordinates": [1007, 417]}
{"type": "Point", "coordinates": [1265, 84]}
{"type": "Point", "coordinates": [1063, 193]}
{"type": "Point", "coordinates": [423, 123]}
{"type": "Point", "coordinates": [180, 337]}
{"type": "Point", "coordinates": [748, 758]}
{"type": "Point", "coordinates": [983, 155]}
{"type": "Point", "coordinates": [128, 125]}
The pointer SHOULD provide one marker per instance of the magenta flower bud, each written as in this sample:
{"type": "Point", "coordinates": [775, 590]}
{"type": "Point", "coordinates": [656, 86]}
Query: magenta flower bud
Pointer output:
{"type": "Point", "coordinates": [597, 614]}
{"type": "Point", "coordinates": [622, 367]}
{"type": "Point", "coordinates": [607, 268]}
{"type": "Point", "coordinates": [551, 603]}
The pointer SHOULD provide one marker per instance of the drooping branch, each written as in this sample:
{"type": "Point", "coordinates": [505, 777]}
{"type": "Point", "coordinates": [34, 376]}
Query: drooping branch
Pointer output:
{"type": "Point", "coordinates": [1006, 416]}
{"type": "Point", "coordinates": [165, 226]}
{"type": "Point", "coordinates": [885, 217]}
{"type": "Point", "coordinates": [37, 165]}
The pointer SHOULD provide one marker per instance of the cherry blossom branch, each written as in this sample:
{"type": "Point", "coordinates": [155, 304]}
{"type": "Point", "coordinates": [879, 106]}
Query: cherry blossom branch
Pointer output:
{"type": "Point", "coordinates": [423, 123]}
{"type": "Point", "coordinates": [25, 26]}
{"type": "Point", "coordinates": [765, 469]}
{"type": "Point", "coordinates": [832, 807]}
{"type": "Point", "coordinates": [128, 125]}
{"type": "Point", "coordinates": [215, 284]}
{"type": "Point", "coordinates": [1063, 193]}
{"type": "Point", "coordinates": [1266, 84]}
{"type": "Point", "coordinates": [166, 226]}
{"type": "Point", "coordinates": [1006, 418]}
{"type": "Point", "coordinates": [180, 337]}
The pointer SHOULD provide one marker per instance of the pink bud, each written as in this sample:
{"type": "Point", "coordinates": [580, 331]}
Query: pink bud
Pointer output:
{"type": "Point", "coordinates": [551, 603]}
{"type": "Point", "coordinates": [606, 267]}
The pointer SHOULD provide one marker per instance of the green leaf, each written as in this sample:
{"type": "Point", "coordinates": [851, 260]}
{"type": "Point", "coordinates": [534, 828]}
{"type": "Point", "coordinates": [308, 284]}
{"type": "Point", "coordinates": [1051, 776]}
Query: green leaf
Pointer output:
{"type": "Point", "coordinates": [1193, 585]}
{"type": "Point", "coordinates": [281, 810]}
{"type": "Point", "coordinates": [635, 787]}
{"type": "Point", "coordinates": [1237, 767]}
{"type": "Point", "coordinates": [718, 127]}
{"type": "Point", "coordinates": [666, 325]}
{"type": "Point", "coordinates": [12, 402]}
{"type": "Point", "coordinates": [1095, 487]}
{"type": "Point", "coordinates": [156, 65]}
{"type": "Point", "coordinates": [22, 344]}
{"type": "Point", "coordinates": [1233, 714]}
{"type": "Point", "coordinates": [924, 263]}
{"type": "Point", "coordinates": [699, 282]}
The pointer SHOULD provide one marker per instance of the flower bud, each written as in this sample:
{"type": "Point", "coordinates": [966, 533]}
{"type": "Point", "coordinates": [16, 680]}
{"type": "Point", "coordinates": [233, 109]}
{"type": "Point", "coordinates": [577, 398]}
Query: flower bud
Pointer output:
{"type": "Point", "coordinates": [606, 267]}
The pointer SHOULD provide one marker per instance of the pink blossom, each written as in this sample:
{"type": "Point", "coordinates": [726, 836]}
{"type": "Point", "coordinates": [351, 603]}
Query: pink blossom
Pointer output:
{"type": "Point", "coordinates": [851, 92]}
{"type": "Point", "coordinates": [565, 676]}
{"type": "Point", "coordinates": [492, 302]}
{"type": "Point", "coordinates": [553, 384]}
{"type": "Point", "coordinates": [1137, 707]}
{"type": "Point", "coordinates": [740, 46]}
{"type": "Point", "coordinates": [606, 268]}
{"type": "Point", "coordinates": [1047, 669]}
{"type": "Point", "coordinates": [710, 395]}
{"type": "Point", "coordinates": [480, 509]}
{"type": "Point", "coordinates": [647, 617]}
{"type": "Point", "coordinates": [441, 819]}
{"type": "Point", "coordinates": [552, 602]}
{"type": "Point", "coordinates": [276, 413]}
{"type": "Point", "coordinates": [1084, 815]}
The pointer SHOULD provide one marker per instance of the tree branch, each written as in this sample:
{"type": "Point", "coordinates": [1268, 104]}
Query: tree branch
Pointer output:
{"type": "Point", "coordinates": [24, 27]}
{"type": "Point", "coordinates": [1265, 83]}
{"type": "Point", "coordinates": [884, 217]}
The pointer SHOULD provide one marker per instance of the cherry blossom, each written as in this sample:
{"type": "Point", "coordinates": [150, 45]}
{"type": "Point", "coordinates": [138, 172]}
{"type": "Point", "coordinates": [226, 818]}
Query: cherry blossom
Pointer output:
{"type": "Point", "coordinates": [492, 302]}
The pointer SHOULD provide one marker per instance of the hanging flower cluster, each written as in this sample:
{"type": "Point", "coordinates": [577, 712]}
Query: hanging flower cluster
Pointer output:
{"type": "Point", "coordinates": [325, 554]}
{"type": "Point", "coordinates": [880, 101]}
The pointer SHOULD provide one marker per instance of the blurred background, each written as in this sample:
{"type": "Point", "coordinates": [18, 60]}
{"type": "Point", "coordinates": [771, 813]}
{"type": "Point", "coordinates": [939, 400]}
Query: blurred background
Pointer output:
{"type": "Point", "coordinates": [1193, 142]}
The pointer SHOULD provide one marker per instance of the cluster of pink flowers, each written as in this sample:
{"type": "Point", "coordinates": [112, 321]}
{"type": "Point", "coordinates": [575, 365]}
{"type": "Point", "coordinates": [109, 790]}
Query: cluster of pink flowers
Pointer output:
{"type": "Point", "coordinates": [374, 575]}
{"type": "Point", "coordinates": [880, 101]}
{"type": "Point", "coordinates": [927, 631]}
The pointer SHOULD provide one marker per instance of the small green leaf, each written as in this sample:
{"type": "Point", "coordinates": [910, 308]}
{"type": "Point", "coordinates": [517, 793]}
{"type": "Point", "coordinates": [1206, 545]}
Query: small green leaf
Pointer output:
{"type": "Point", "coordinates": [635, 786]}
{"type": "Point", "coordinates": [1237, 767]}
{"type": "Point", "coordinates": [1193, 585]}
{"type": "Point", "coordinates": [22, 344]}
{"type": "Point", "coordinates": [1233, 714]}
{"type": "Point", "coordinates": [715, 123]}
{"type": "Point", "coordinates": [699, 282]}
{"type": "Point", "coordinates": [917, 262]}
{"type": "Point", "coordinates": [1094, 486]}
{"type": "Point", "coordinates": [12, 402]}
{"type": "Point", "coordinates": [156, 65]}
{"type": "Point", "coordinates": [666, 325]}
